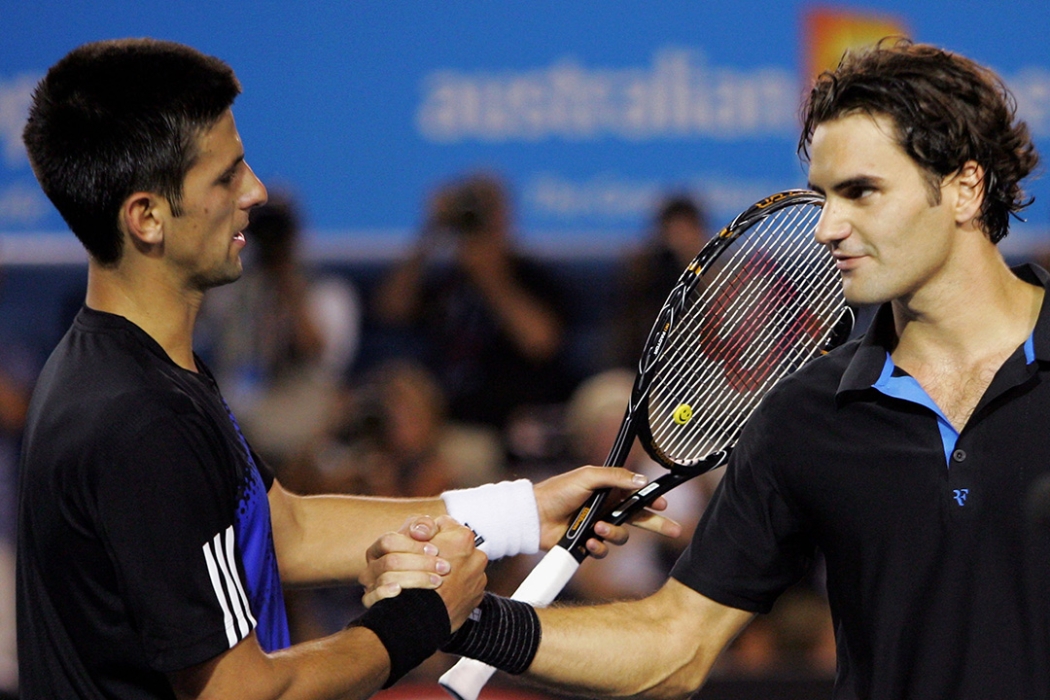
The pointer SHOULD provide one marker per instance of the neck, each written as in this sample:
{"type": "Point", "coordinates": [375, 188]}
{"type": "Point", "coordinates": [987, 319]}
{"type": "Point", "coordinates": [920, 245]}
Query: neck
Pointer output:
{"type": "Point", "coordinates": [979, 310]}
{"type": "Point", "coordinates": [165, 312]}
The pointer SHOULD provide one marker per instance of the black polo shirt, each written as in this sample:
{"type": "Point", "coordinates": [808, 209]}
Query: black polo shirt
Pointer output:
{"type": "Point", "coordinates": [937, 546]}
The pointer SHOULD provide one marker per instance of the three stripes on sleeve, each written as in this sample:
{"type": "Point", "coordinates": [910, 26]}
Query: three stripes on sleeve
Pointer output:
{"type": "Point", "coordinates": [227, 586]}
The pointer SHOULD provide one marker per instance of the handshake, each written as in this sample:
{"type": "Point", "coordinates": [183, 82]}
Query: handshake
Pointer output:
{"type": "Point", "coordinates": [425, 581]}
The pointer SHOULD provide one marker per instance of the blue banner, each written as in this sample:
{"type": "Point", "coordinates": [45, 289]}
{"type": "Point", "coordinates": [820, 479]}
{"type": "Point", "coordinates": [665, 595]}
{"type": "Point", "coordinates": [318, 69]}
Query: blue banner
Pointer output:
{"type": "Point", "coordinates": [591, 111]}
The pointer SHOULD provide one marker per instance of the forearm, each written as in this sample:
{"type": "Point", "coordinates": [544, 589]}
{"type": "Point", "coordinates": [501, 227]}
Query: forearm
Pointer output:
{"type": "Point", "coordinates": [14, 402]}
{"type": "Point", "coordinates": [387, 642]}
{"type": "Point", "coordinates": [662, 646]}
{"type": "Point", "coordinates": [350, 664]}
{"type": "Point", "coordinates": [397, 298]}
{"type": "Point", "coordinates": [322, 539]}
{"type": "Point", "coordinates": [617, 650]}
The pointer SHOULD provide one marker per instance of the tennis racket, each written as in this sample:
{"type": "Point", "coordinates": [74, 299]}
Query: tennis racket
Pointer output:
{"type": "Point", "coordinates": [759, 300]}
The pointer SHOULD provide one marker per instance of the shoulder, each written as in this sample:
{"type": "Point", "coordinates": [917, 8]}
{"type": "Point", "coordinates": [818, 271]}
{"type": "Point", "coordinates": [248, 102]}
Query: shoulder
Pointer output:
{"type": "Point", "coordinates": [810, 389]}
{"type": "Point", "coordinates": [99, 389]}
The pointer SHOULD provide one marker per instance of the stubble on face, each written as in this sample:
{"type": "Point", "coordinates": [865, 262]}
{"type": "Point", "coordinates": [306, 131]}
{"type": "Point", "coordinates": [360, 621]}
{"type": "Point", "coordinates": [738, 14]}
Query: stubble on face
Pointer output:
{"type": "Point", "coordinates": [889, 235]}
{"type": "Point", "coordinates": [218, 192]}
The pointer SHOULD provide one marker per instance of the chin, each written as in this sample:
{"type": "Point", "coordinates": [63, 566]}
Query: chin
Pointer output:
{"type": "Point", "coordinates": [218, 278]}
{"type": "Point", "coordinates": [856, 294]}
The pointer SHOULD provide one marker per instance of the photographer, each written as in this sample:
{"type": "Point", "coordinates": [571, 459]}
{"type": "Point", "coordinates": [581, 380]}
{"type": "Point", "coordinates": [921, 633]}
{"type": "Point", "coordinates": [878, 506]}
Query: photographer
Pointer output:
{"type": "Point", "coordinates": [490, 320]}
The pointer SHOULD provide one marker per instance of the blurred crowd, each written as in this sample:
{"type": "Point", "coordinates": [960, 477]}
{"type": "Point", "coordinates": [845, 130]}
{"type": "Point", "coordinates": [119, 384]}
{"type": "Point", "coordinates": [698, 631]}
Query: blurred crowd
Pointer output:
{"type": "Point", "coordinates": [457, 365]}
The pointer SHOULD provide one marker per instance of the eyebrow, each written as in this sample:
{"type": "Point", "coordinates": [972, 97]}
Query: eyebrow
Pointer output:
{"type": "Point", "coordinates": [863, 181]}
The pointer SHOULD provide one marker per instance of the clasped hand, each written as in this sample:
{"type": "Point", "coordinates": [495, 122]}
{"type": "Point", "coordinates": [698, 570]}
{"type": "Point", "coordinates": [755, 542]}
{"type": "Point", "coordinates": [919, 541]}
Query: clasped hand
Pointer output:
{"type": "Point", "coordinates": [429, 552]}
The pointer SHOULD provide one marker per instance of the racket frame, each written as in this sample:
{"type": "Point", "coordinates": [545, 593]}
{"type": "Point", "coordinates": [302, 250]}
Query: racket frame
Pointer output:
{"type": "Point", "coordinates": [581, 528]}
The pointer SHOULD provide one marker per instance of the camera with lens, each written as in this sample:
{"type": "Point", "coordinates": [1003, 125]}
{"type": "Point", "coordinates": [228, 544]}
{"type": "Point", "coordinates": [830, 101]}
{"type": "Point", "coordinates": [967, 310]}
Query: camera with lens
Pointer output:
{"type": "Point", "coordinates": [465, 210]}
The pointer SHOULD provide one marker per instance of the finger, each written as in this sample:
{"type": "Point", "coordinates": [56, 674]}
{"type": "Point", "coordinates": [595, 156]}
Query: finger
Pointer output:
{"type": "Point", "coordinates": [402, 561]}
{"type": "Point", "coordinates": [446, 523]}
{"type": "Point", "coordinates": [597, 548]}
{"type": "Point", "coordinates": [611, 477]}
{"type": "Point", "coordinates": [613, 534]}
{"type": "Point", "coordinates": [375, 595]}
{"type": "Point", "coordinates": [393, 542]}
{"type": "Point", "coordinates": [420, 528]}
{"type": "Point", "coordinates": [653, 522]}
{"type": "Point", "coordinates": [393, 582]}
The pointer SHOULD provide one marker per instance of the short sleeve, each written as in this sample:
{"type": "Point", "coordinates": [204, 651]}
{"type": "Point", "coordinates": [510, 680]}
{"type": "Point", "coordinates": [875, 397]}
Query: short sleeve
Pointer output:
{"type": "Point", "coordinates": [752, 543]}
{"type": "Point", "coordinates": [166, 506]}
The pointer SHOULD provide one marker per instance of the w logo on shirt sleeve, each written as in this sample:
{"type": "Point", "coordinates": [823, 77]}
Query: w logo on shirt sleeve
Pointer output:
{"type": "Point", "coordinates": [226, 583]}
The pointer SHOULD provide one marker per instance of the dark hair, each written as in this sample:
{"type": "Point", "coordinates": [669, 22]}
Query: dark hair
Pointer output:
{"type": "Point", "coordinates": [681, 207]}
{"type": "Point", "coordinates": [115, 117]}
{"type": "Point", "coordinates": [947, 110]}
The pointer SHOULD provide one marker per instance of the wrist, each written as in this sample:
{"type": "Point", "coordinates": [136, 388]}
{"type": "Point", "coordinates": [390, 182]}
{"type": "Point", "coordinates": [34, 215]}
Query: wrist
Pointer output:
{"type": "Point", "coordinates": [411, 626]}
{"type": "Point", "coordinates": [504, 515]}
{"type": "Point", "coordinates": [501, 632]}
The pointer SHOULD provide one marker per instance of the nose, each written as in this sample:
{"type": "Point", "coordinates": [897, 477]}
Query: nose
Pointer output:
{"type": "Point", "coordinates": [832, 226]}
{"type": "Point", "coordinates": [255, 191]}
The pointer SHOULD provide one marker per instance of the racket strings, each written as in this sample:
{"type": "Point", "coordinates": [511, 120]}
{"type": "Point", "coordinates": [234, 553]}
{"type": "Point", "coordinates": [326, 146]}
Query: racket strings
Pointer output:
{"type": "Point", "coordinates": [753, 365]}
{"type": "Point", "coordinates": [749, 360]}
{"type": "Point", "coordinates": [754, 362]}
{"type": "Point", "coordinates": [726, 295]}
{"type": "Point", "coordinates": [784, 300]}
{"type": "Point", "coordinates": [733, 404]}
{"type": "Point", "coordinates": [767, 309]}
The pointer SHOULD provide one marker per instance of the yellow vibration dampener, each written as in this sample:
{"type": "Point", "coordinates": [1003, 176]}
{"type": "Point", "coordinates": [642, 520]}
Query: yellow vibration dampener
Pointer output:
{"type": "Point", "coordinates": [683, 414]}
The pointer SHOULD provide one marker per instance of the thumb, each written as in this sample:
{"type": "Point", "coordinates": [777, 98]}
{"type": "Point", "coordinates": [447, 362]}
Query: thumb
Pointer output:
{"type": "Point", "coordinates": [421, 528]}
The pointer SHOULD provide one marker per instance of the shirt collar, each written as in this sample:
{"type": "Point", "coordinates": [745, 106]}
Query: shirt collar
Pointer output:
{"type": "Point", "coordinates": [868, 362]}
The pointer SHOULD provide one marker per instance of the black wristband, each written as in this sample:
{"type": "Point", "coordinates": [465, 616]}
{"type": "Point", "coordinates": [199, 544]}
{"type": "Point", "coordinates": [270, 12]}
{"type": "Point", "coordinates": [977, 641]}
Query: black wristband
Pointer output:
{"type": "Point", "coordinates": [412, 626]}
{"type": "Point", "coordinates": [501, 632]}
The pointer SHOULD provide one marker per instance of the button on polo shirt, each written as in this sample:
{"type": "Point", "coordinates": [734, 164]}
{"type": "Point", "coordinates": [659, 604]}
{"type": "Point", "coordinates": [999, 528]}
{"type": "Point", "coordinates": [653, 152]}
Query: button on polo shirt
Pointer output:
{"type": "Point", "coordinates": [895, 382]}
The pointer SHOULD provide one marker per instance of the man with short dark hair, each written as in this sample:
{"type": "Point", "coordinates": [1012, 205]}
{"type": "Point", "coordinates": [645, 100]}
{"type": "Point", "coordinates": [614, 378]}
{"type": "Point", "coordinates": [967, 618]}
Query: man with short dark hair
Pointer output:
{"type": "Point", "coordinates": [153, 542]}
{"type": "Point", "coordinates": [908, 458]}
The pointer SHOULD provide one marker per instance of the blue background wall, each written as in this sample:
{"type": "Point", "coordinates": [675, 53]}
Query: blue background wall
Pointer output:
{"type": "Point", "coordinates": [590, 109]}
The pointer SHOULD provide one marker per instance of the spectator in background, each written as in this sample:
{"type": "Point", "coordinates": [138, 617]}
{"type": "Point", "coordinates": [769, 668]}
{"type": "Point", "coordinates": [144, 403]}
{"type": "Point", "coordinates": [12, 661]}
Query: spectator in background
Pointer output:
{"type": "Point", "coordinates": [491, 320]}
{"type": "Point", "coordinates": [649, 274]}
{"type": "Point", "coordinates": [281, 339]}
{"type": "Point", "coordinates": [17, 372]}
{"type": "Point", "coordinates": [394, 438]}
{"type": "Point", "coordinates": [14, 400]}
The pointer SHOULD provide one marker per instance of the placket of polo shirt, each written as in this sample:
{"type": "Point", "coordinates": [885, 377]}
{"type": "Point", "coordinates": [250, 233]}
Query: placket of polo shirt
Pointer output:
{"type": "Point", "coordinates": [961, 498]}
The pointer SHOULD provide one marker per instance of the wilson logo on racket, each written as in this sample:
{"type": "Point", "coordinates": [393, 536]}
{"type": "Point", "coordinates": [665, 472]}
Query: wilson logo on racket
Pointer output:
{"type": "Point", "coordinates": [728, 340]}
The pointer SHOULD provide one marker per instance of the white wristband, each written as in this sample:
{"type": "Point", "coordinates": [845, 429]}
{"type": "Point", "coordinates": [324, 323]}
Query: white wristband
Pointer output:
{"type": "Point", "coordinates": [504, 515]}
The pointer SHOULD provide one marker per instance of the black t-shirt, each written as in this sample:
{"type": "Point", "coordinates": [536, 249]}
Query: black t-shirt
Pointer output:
{"type": "Point", "coordinates": [938, 575]}
{"type": "Point", "coordinates": [145, 543]}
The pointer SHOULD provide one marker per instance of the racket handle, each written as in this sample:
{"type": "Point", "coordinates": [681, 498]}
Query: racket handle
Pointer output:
{"type": "Point", "coordinates": [465, 680]}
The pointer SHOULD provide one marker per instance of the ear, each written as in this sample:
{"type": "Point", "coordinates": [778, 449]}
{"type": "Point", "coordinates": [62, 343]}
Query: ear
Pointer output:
{"type": "Point", "coordinates": [969, 185]}
{"type": "Point", "coordinates": [142, 218]}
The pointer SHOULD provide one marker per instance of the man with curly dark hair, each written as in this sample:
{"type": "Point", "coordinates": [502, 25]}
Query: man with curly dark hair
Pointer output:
{"type": "Point", "coordinates": [913, 458]}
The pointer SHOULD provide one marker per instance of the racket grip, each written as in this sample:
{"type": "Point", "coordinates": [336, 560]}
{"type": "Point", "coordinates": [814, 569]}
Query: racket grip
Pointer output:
{"type": "Point", "coordinates": [465, 680]}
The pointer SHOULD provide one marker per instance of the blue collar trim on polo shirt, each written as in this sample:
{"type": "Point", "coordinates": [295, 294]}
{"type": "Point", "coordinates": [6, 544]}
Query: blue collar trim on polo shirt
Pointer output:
{"type": "Point", "coordinates": [906, 388]}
